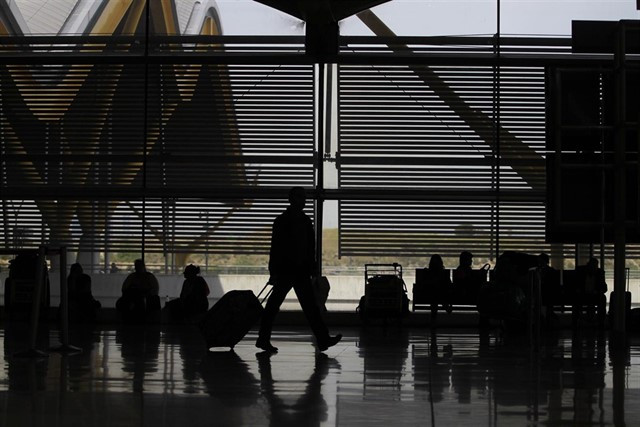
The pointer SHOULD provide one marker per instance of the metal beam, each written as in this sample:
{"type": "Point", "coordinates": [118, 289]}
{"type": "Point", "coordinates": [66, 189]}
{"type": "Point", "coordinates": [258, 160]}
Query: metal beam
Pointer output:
{"type": "Point", "coordinates": [333, 10]}
{"type": "Point", "coordinates": [11, 20]}
{"type": "Point", "coordinates": [83, 16]}
{"type": "Point", "coordinates": [125, 192]}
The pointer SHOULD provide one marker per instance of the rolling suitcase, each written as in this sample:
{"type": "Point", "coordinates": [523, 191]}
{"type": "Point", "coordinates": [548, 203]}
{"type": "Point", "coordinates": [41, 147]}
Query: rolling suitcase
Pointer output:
{"type": "Point", "coordinates": [229, 320]}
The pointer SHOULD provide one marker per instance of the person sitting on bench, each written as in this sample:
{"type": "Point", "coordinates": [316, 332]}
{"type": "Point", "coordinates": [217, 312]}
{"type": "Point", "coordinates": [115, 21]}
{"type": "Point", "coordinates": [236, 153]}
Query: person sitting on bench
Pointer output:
{"type": "Point", "coordinates": [465, 283]}
{"type": "Point", "coordinates": [193, 296]}
{"type": "Point", "coordinates": [139, 294]}
{"type": "Point", "coordinates": [439, 283]}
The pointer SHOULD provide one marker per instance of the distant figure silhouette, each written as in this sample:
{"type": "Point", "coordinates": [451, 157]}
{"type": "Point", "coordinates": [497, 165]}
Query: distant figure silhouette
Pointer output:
{"type": "Point", "coordinates": [440, 282]}
{"type": "Point", "coordinates": [82, 306]}
{"type": "Point", "coordinates": [590, 292]}
{"type": "Point", "coordinates": [193, 297]}
{"type": "Point", "coordinates": [114, 268]}
{"type": "Point", "coordinates": [292, 262]}
{"type": "Point", "coordinates": [139, 294]}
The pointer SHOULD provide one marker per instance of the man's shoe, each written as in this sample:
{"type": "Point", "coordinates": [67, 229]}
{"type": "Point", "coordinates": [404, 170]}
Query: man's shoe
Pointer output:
{"type": "Point", "coordinates": [330, 342]}
{"type": "Point", "coordinates": [266, 346]}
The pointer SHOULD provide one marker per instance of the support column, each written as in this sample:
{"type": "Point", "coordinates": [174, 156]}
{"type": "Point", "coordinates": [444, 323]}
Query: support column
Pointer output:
{"type": "Point", "coordinates": [319, 204]}
{"type": "Point", "coordinates": [619, 223]}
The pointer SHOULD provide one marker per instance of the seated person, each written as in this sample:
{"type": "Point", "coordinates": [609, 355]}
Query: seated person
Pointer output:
{"type": "Point", "coordinates": [75, 270]}
{"type": "Point", "coordinates": [440, 283]}
{"type": "Point", "coordinates": [590, 292]}
{"type": "Point", "coordinates": [82, 305]}
{"type": "Point", "coordinates": [193, 297]}
{"type": "Point", "coordinates": [139, 294]}
{"type": "Point", "coordinates": [466, 281]}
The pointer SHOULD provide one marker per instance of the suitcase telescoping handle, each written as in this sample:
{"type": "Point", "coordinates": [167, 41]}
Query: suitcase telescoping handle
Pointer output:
{"type": "Point", "coordinates": [267, 294]}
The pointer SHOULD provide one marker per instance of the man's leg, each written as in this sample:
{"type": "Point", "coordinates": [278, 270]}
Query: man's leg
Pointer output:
{"type": "Point", "coordinates": [280, 291]}
{"type": "Point", "coordinates": [309, 305]}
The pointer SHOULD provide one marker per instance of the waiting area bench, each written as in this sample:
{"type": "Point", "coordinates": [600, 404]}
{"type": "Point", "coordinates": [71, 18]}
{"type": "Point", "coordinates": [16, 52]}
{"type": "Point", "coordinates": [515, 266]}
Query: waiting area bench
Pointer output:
{"type": "Point", "coordinates": [558, 291]}
{"type": "Point", "coordinates": [425, 293]}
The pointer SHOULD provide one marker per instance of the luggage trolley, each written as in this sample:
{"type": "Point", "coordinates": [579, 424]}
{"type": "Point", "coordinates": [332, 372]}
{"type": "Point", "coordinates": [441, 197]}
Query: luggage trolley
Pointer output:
{"type": "Point", "coordinates": [383, 291]}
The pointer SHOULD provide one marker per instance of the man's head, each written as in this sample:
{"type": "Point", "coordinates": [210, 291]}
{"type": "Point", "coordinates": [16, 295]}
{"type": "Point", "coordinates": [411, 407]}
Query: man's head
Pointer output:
{"type": "Point", "coordinates": [466, 259]}
{"type": "Point", "coordinates": [297, 198]}
{"type": "Point", "coordinates": [76, 269]}
{"type": "Point", "coordinates": [435, 263]}
{"type": "Point", "coordinates": [191, 270]}
{"type": "Point", "coordinates": [139, 265]}
{"type": "Point", "coordinates": [543, 260]}
{"type": "Point", "coordinates": [592, 264]}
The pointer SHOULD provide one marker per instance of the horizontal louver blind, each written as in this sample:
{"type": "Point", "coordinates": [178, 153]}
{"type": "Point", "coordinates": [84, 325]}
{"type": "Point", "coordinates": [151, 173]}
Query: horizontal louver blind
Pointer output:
{"type": "Point", "coordinates": [71, 128]}
{"type": "Point", "coordinates": [429, 131]}
{"type": "Point", "coordinates": [522, 162]}
{"type": "Point", "coordinates": [423, 129]}
{"type": "Point", "coordinates": [414, 228]}
{"type": "Point", "coordinates": [171, 226]}
{"type": "Point", "coordinates": [231, 126]}
{"type": "Point", "coordinates": [396, 131]}
{"type": "Point", "coordinates": [78, 170]}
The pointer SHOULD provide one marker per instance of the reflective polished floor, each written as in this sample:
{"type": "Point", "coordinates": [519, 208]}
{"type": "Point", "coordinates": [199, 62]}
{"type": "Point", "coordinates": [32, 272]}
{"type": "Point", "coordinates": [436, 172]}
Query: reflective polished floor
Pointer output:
{"type": "Point", "coordinates": [164, 376]}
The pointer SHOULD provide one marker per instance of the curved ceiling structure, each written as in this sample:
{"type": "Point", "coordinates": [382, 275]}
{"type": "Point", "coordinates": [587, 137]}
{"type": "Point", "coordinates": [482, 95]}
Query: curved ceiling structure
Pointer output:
{"type": "Point", "coordinates": [53, 100]}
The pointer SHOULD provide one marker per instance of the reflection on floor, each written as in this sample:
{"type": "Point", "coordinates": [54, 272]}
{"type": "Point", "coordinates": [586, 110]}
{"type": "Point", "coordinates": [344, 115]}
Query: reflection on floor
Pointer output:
{"type": "Point", "coordinates": [163, 376]}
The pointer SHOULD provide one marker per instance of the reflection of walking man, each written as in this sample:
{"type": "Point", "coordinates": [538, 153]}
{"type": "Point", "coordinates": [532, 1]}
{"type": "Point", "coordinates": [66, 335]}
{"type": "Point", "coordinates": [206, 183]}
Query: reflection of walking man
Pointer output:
{"type": "Point", "coordinates": [310, 408]}
{"type": "Point", "coordinates": [292, 261]}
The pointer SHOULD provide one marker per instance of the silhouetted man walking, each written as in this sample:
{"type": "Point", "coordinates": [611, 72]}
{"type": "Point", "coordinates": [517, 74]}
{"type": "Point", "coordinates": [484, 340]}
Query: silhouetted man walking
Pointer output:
{"type": "Point", "coordinates": [292, 262]}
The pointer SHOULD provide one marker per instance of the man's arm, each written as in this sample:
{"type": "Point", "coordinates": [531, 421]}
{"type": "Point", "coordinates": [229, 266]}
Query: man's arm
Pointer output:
{"type": "Point", "coordinates": [275, 252]}
{"type": "Point", "coordinates": [127, 283]}
{"type": "Point", "coordinates": [155, 286]}
{"type": "Point", "coordinates": [602, 282]}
